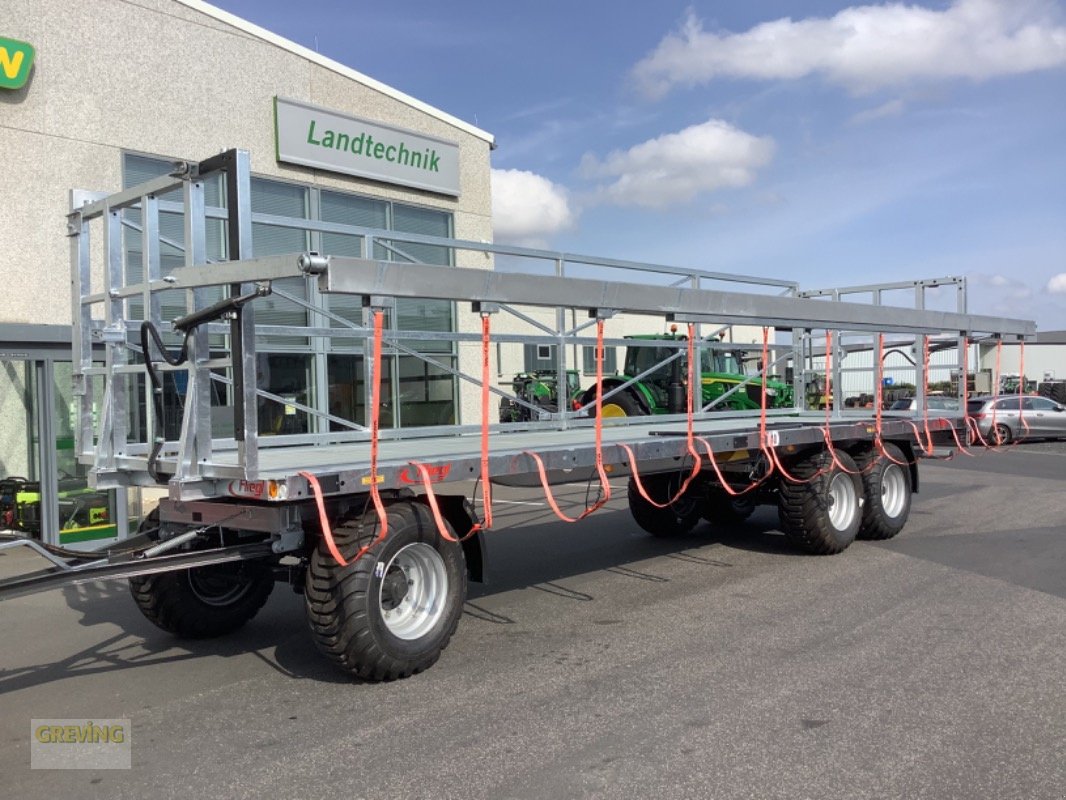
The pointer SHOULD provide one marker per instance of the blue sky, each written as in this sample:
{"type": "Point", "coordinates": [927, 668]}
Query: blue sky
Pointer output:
{"type": "Point", "coordinates": [826, 142]}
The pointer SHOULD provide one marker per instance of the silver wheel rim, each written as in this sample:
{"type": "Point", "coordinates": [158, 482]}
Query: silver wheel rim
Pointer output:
{"type": "Point", "coordinates": [893, 491]}
{"type": "Point", "coordinates": [412, 591]}
{"type": "Point", "coordinates": [843, 501]}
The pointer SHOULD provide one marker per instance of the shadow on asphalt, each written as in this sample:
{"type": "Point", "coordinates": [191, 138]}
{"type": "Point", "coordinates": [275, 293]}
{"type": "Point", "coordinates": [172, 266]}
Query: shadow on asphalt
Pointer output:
{"type": "Point", "coordinates": [1030, 558]}
{"type": "Point", "coordinates": [535, 556]}
{"type": "Point", "coordinates": [539, 556]}
{"type": "Point", "coordinates": [277, 636]}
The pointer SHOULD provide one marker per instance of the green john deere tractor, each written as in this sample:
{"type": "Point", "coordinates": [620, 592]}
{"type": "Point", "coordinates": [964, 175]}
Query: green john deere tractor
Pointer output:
{"type": "Point", "coordinates": [663, 390]}
{"type": "Point", "coordinates": [539, 389]}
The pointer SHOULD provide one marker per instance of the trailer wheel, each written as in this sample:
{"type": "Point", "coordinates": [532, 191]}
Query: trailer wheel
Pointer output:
{"type": "Point", "coordinates": [678, 518]}
{"type": "Point", "coordinates": [391, 613]}
{"type": "Point", "coordinates": [204, 602]}
{"type": "Point", "coordinates": [886, 493]}
{"type": "Point", "coordinates": [822, 514]}
{"type": "Point", "coordinates": [722, 508]}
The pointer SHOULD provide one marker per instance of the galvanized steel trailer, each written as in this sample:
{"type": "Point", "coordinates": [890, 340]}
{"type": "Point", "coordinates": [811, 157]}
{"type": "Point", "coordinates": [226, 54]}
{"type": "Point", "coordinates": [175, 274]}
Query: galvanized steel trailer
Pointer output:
{"type": "Point", "coordinates": [375, 525]}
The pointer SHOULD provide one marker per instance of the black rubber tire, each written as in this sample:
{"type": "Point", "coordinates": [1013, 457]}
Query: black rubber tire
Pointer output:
{"type": "Point", "coordinates": [889, 475]}
{"type": "Point", "coordinates": [204, 602]}
{"type": "Point", "coordinates": [1054, 390]}
{"type": "Point", "coordinates": [624, 402]}
{"type": "Point", "coordinates": [343, 604]}
{"type": "Point", "coordinates": [722, 508]}
{"type": "Point", "coordinates": [678, 518]}
{"type": "Point", "coordinates": [1000, 435]}
{"type": "Point", "coordinates": [805, 509]}
{"type": "Point", "coordinates": [507, 411]}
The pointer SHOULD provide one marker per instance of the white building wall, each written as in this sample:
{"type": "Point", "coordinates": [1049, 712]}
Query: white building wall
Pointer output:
{"type": "Point", "coordinates": [1042, 361]}
{"type": "Point", "coordinates": [163, 78]}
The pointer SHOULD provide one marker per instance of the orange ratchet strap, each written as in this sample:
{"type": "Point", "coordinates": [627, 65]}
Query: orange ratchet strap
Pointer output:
{"type": "Point", "coordinates": [375, 495]}
{"type": "Point", "coordinates": [696, 460]}
{"type": "Point", "coordinates": [486, 485]}
{"type": "Point", "coordinates": [605, 486]}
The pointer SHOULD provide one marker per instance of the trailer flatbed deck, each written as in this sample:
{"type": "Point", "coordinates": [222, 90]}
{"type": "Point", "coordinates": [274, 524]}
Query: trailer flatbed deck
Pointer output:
{"type": "Point", "coordinates": [656, 444]}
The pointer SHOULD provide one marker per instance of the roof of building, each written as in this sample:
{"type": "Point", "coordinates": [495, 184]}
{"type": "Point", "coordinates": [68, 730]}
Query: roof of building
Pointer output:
{"type": "Point", "coordinates": [335, 66]}
{"type": "Point", "coordinates": [1050, 337]}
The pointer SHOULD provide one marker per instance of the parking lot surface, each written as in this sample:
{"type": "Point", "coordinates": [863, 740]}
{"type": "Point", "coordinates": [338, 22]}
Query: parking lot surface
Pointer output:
{"type": "Point", "coordinates": [601, 662]}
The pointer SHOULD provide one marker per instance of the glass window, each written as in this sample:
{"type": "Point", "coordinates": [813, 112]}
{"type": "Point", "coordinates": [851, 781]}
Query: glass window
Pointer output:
{"type": "Point", "coordinates": [287, 375]}
{"type": "Point", "coordinates": [18, 423]}
{"type": "Point", "coordinates": [289, 201]}
{"type": "Point", "coordinates": [430, 402]}
{"type": "Point", "coordinates": [350, 210]}
{"type": "Point", "coordinates": [417, 314]}
{"type": "Point", "coordinates": [426, 393]}
{"type": "Point", "coordinates": [424, 222]}
{"type": "Point", "coordinates": [1038, 404]}
{"type": "Point", "coordinates": [137, 169]}
{"type": "Point", "coordinates": [85, 514]}
{"type": "Point", "coordinates": [347, 390]}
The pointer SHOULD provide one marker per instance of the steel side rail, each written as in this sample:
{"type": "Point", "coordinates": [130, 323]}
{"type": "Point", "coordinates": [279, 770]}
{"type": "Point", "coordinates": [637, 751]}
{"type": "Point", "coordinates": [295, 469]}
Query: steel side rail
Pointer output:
{"type": "Point", "coordinates": [370, 278]}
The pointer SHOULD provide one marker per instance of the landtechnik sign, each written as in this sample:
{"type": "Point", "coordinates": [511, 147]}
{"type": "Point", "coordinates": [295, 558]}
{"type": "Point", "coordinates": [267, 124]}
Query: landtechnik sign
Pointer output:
{"type": "Point", "coordinates": [16, 58]}
{"type": "Point", "coordinates": [323, 139]}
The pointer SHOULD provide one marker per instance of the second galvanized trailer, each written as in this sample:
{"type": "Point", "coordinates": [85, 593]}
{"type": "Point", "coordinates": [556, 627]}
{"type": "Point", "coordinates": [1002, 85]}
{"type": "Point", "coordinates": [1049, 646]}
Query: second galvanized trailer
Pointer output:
{"type": "Point", "coordinates": [381, 528]}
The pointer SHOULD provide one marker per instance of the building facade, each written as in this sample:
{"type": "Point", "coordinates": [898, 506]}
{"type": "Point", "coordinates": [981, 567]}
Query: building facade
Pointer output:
{"type": "Point", "coordinates": [111, 94]}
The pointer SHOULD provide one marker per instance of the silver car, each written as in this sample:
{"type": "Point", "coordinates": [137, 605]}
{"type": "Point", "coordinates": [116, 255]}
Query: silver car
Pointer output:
{"type": "Point", "coordinates": [1014, 417]}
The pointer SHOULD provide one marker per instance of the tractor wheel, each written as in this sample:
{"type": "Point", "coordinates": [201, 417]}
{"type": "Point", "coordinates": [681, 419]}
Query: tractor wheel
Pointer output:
{"type": "Point", "coordinates": [391, 613]}
{"type": "Point", "coordinates": [886, 492]}
{"type": "Point", "coordinates": [678, 518]}
{"type": "Point", "coordinates": [823, 512]}
{"type": "Point", "coordinates": [722, 508]}
{"type": "Point", "coordinates": [1054, 390]}
{"type": "Point", "coordinates": [623, 404]}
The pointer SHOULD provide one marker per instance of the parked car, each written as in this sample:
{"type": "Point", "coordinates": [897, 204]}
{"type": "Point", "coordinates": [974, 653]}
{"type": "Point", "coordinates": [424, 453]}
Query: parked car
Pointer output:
{"type": "Point", "coordinates": [1003, 418]}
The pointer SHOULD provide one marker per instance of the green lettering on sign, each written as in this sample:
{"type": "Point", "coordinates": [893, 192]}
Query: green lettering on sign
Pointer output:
{"type": "Point", "coordinates": [364, 144]}
{"type": "Point", "coordinates": [16, 58]}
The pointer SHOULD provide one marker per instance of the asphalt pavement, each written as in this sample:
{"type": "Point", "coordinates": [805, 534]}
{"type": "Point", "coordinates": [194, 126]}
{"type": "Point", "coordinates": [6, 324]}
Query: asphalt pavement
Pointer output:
{"type": "Point", "coordinates": [602, 662]}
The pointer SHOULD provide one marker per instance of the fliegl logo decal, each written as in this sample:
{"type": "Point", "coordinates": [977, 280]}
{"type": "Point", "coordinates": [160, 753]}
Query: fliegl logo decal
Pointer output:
{"type": "Point", "coordinates": [254, 489]}
{"type": "Point", "coordinates": [16, 59]}
{"type": "Point", "coordinates": [436, 474]}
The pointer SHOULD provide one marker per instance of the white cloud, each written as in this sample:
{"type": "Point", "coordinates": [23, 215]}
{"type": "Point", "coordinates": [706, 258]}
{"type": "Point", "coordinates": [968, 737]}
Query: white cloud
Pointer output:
{"type": "Point", "coordinates": [893, 108]}
{"type": "Point", "coordinates": [1057, 284]}
{"type": "Point", "coordinates": [676, 167]}
{"type": "Point", "coordinates": [527, 208]}
{"type": "Point", "coordinates": [998, 286]}
{"type": "Point", "coordinates": [866, 47]}
{"type": "Point", "coordinates": [1001, 296]}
